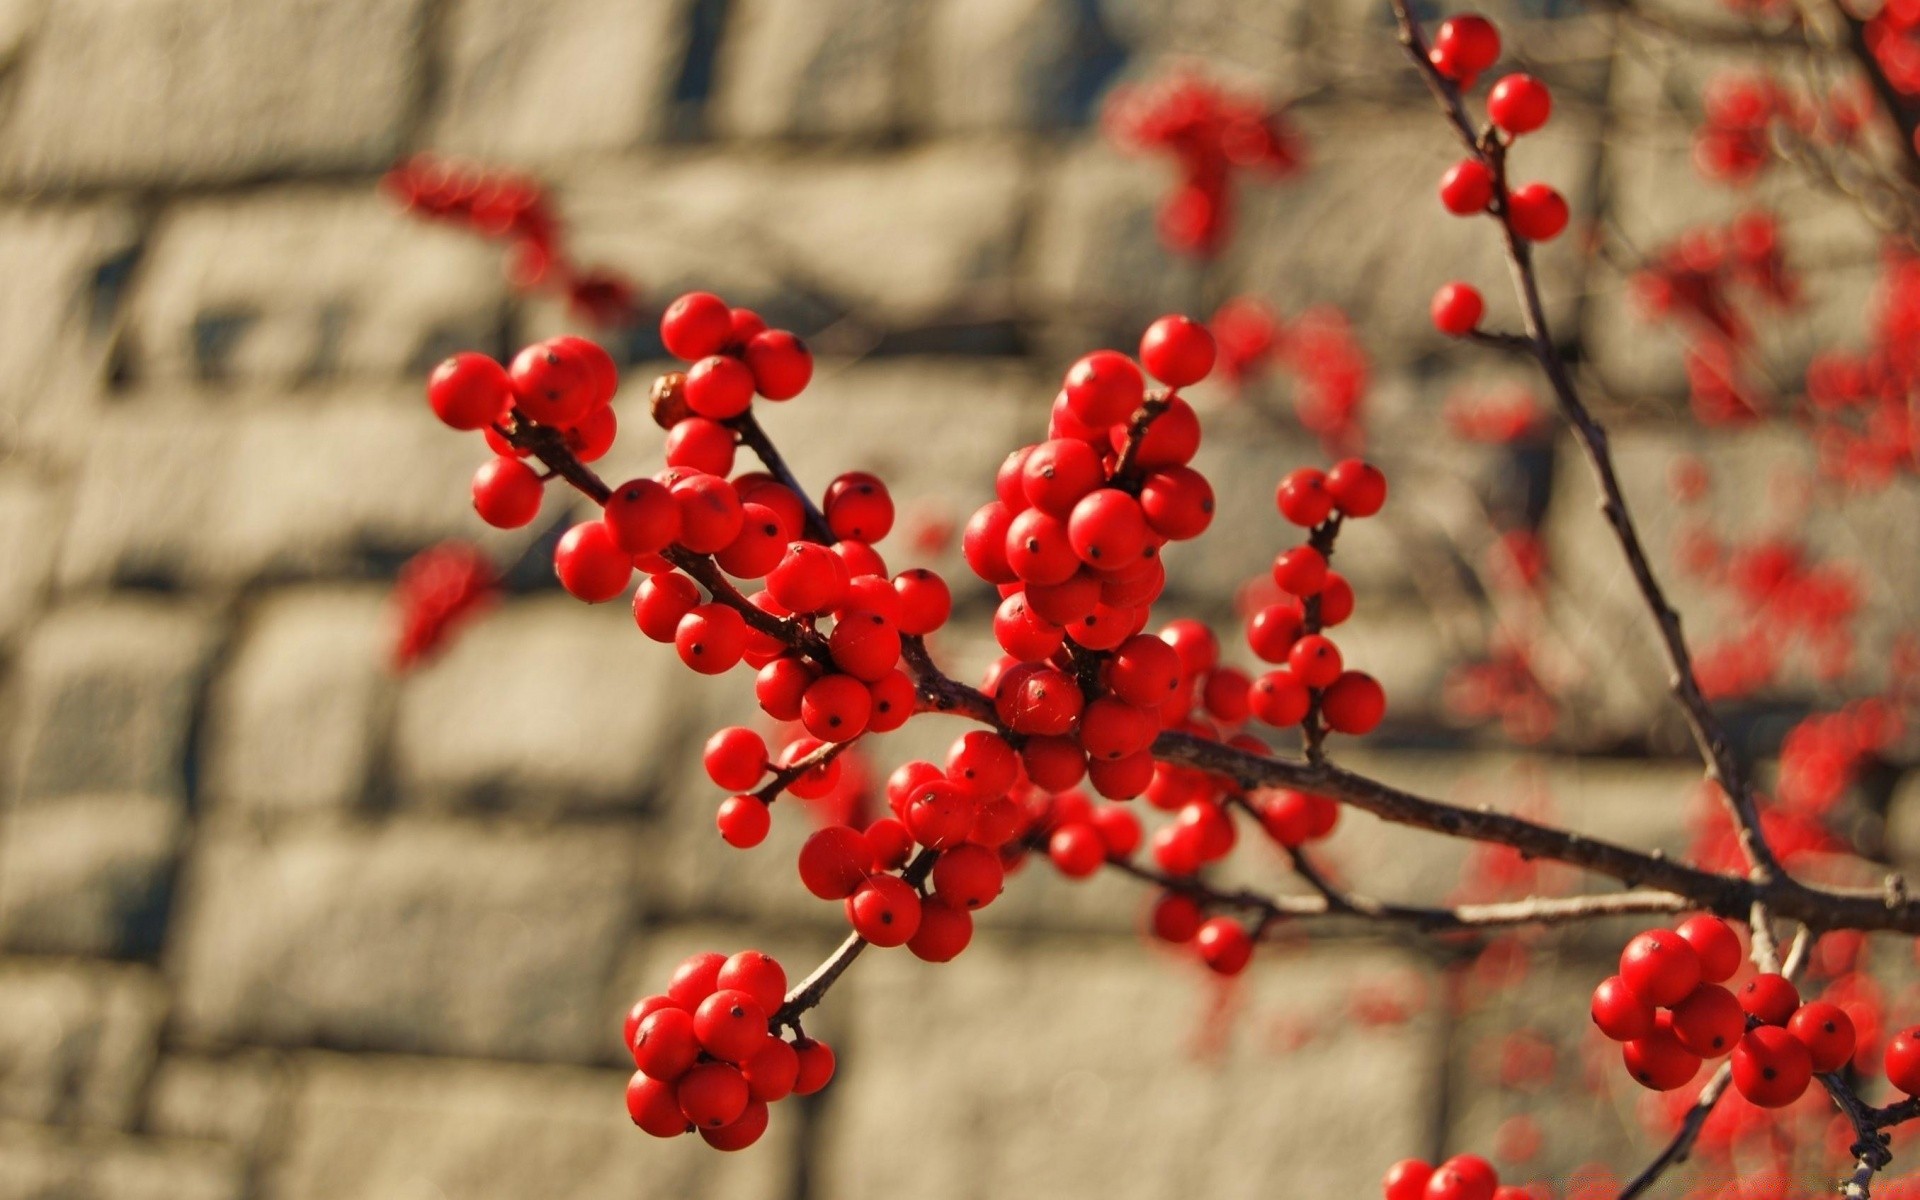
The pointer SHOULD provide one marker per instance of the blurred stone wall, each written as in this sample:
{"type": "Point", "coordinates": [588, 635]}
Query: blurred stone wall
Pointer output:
{"type": "Point", "coordinates": [275, 923]}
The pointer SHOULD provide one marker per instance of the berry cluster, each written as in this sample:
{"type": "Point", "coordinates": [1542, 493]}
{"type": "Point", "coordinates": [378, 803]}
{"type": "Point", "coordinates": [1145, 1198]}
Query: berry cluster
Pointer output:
{"type": "Point", "coordinates": [1331, 370]}
{"type": "Point", "coordinates": [1210, 133]}
{"type": "Point", "coordinates": [1669, 1009]}
{"type": "Point", "coordinates": [709, 1054]}
{"type": "Point", "coordinates": [439, 589]}
{"type": "Point", "coordinates": [514, 209]}
{"type": "Point", "coordinates": [1462, 1177]}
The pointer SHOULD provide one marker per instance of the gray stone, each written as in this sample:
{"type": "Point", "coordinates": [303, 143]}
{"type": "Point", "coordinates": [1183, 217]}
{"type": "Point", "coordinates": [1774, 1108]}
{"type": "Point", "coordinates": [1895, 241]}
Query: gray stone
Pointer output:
{"type": "Point", "coordinates": [449, 938]}
{"type": "Point", "coordinates": [76, 1042]}
{"type": "Point", "coordinates": [386, 1130]}
{"type": "Point", "coordinates": [36, 1164]}
{"type": "Point", "coordinates": [211, 91]}
{"type": "Point", "coordinates": [1067, 1069]}
{"type": "Point", "coordinates": [537, 82]}
{"type": "Point", "coordinates": [1012, 64]}
{"type": "Point", "coordinates": [242, 1099]}
{"type": "Point", "coordinates": [108, 692]}
{"type": "Point", "coordinates": [812, 68]}
{"type": "Point", "coordinates": [550, 703]}
{"type": "Point", "coordinates": [29, 534]}
{"type": "Point", "coordinates": [88, 874]}
{"type": "Point", "coordinates": [295, 714]}
{"type": "Point", "coordinates": [294, 284]}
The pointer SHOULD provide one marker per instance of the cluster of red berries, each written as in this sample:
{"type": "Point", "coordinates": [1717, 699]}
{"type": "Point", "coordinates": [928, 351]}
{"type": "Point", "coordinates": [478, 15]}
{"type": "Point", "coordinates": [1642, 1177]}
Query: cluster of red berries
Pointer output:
{"type": "Point", "coordinates": [1210, 133]}
{"type": "Point", "coordinates": [1784, 600]}
{"type": "Point", "coordinates": [514, 209]}
{"type": "Point", "coordinates": [1892, 35]}
{"type": "Point", "coordinates": [1517, 104]}
{"type": "Point", "coordinates": [1865, 427]}
{"type": "Point", "coordinates": [1331, 369]}
{"type": "Point", "coordinates": [438, 590]}
{"type": "Point", "coordinates": [1696, 277]}
{"type": "Point", "coordinates": [709, 1056]}
{"type": "Point", "coordinates": [1669, 1009]}
{"type": "Point", "coordinates": [1462, 1177]}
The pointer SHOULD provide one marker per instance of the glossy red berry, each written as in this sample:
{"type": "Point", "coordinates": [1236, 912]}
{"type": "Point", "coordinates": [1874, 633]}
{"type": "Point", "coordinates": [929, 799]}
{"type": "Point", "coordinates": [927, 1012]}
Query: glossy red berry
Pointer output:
{"type": "Point", "coordinates": [643, 516]}
{"type": "Point", "coordinates": [1659, 1062]}
{"type": "Point", "coordinates": [665, 1045]}
{"type": "Point", "coordinates": [470, 391]}
{"type": "Point", "coordinates": [865, 645]}
{"type": "Point", "coordinates": [1827, 1032]}
{"type": "Point", "coordinates": [859, 508]}
{"type": "Point", "coordinates": [590, 564]}
{"type": "Point", "coordinates": [1519, 104]}
{"type": "Point", "coordinates": [741, 1132]}
{"type": "Point", "coordinates": [1717, 945]}
{"type": "Point", "coordinates": [1463, 1177]}
{"type": "Point", "coordinates": [1058, 473]}
{"type": "Point", "coordinates": [1104, 388]}
{"type": "Point", "coordinates": [1076, 849]}
{"type": "Point", "coordinates": [1770, 1067]}
{"type": "Point", "coordinates": [1457, 309]}
{"type": "Point", "coordinates": [1177, 350]}
{"type": "Point", "coordinates": [835, 708]}
{"type": "Point", "coordinates": [1359, 489]}
{"type": "Point", "coordinates": [816, 1065]}
{"type": "Point", "coordinates": [711, 515]}
{"type": "Point", "coordinates": [554, 384]}
{"type": "Point", "coordinates": [1178, 503]}
{"type": "Point", "coordinates": [1353, 704]}
{"type": "Point", "coordinates": [711, 639]}
{"type": "Point", "coordinates": [943, 933]}
{"type": "Point", "coordinates": [885, 910]}
{"type": "Point", "coordinates": [1314, 661]}
{"type": "Point", "coordinates": [712, 1094]}
{"type": "Point", "coordinates": [772, 1071]}
{"type": "Point", "coordinates": [1301, 571]}
{"type": "Point", "coordinates": [1660, 967]}
{"type": "Point", "coordinates": [731, 1025]}
{"type": "Point", "coordinates": [1709, 1021]}
{"type": "Point", "coordinates": [1467, 187]}
{"type": "Point", "coordinates": [1903, 1061]}
{"type": "Point", "coordinates": [743, 821]}
{"type": "Point", "coordinates": [1107, 529]}
{"type": "Point", "coordinates": [1469, 41]}
{"type": "Point", "coordinates": [696, 325]}
{"type": "Point", "coordinates": [780, 363]}
{"type": "Point", "coordinates": [968, 876]}
{"type": "Point", "coordinates": [1406, 1180]}
{"type": "Point", "coordinates": [661, 601]}
{"type": "Point", "coordinates": [1303, 499]}
{"type": "Point", "coordinates": [735, 758]}
{"type": "Point", "coordinates": [694, 979]}
{"type": "Point", "coordinates": [719, 387]}
{"type": "Point", "coordinates": [1770, 998]}
{"type": "Point", "coordinates": [834, 861]}
{"type": "Point", "coordinates": [1278, 698]}
{"type": "Point", "coordinates": [702, 444]}
{"type": "Point", "coordinates": [654, 1107]}
{"type": "Point", "coordinates": [1539, 213]}
{"type": "Point", "coordinates": [1224, 945]}
{"type": "Point", "coordinates": [925, 601]}
{"type": "Point", "coordinates": [1619, 1013]}
{"type": "Point", "coordinates": [507, 493]}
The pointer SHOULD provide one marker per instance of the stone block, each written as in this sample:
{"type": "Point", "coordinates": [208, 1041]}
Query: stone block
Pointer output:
{"type": "Point", "coordinates": [812, 68]}
{"type": "Point", "coordinates": [37, 1163]}
{"type": "Point", "coordinates": [76, 1042]}
{"type": "Point", "coordinates": [88, 874]}
{"type": "Point", "coordinates": [241, 1099]}
{"type": "Point", "coordinates": [29, 535]}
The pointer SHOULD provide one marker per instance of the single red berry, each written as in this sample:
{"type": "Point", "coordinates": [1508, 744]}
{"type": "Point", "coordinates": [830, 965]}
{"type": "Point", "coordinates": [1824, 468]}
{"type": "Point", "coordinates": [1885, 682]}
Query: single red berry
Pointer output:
{"type": "Point", "coordinates": [654, 1107]}
{"type": "Point", "coordinates": [643, 516]}
{"type": "Point", "coordinates": [781, 364]}
{"type": "Point", "coordinates": [968, 876]}
{"type": "Point", "coordinates": [600, 367]}
{"type": "Point", "coordinates": [735, 758]}
{"type": "Point", "coordinates": [835, 708]}
{"type": "Point", "coordinates": [1175, 918]}
{"type": "Point", "coordinates": [746, 325]}
{"type": "Point", "coordinates": [1770, 998]}
{"type": "Point", "coordinates": [772, 1071]}
{"type": "Point", "coordinates": [1660, 967]}
{"type": "Point", "coordinates": [661, 601]}
{"type": "Point", "coordinates": [711, 639]}
{"type": "Point", "coordinates": [1076, 849]}
{"type": "Point", "coordinates": [507, 493]}
{"type": "Point", "coordinates": [712, 1094]}
{"type": "Point", "coordinates": [643, 1008]}
{"type": "Point", "coordinates": [865, 645]}
{"type": "Point", "coordinates": [1303, 499]}
{"type": "Point", "coordinates": [590, 564]}
{"type": "Point", "coordinates": [835, 861]}
{"type": "Point", "coordinates": [1903, 1061]}
{"type": "Point", "coordinates": [1538, 212]}
{"type": "Point", "coordinates": [885, 910]}
{"type": "Point", "coordinates": [1119, 829]}
{"type": "Point", "coordinates": [696, 325]}
{"type": "Point", "coordinates": [665, 1045]}
{"type": "Point", "coordinates": [1770, 1067]}
{"type": "Point", "coordinates": [859, 508]}
{"type": "Point", "coordinates": [1315, 661]}
{"type": "Point", "coordinates": [694, 979]}
{"type": "Point", "coordinates": [711, 514]}
{"type": "Point", "coordinates": [758, 547]}
{"type": "Point", "coordinates": [1272, 631]}
{"type": "Point", "coordinates": [1457, 309]}
{"type": "Point", "coordinates": [1104, 388]}
{"type": "Point", "coordinates": [1172, 440]}
{"type": "Point", "coordinates": [1058, 473]}
{"type": "Point", "coordinates": [1659, 1062]}
{"type": "Point", "coordinates": [592, 436]}
{"type": "Point", "coordinates": [1717, 945]}
{"type": "Point", "coordinates": [702, 444]}
{"type": "Point", "coordinates": [470, 391]}
{"type": "Point", "coordinates": [1178, 503]}
{"type": "Point", "coordinates": [891, 701]}
{"type": "Point", "coordinates": [1353, 704]}
{"type": "Point", "coordinates": [1301, 571]}
{"type": "Point", "coordinates": [719, 387]}
{"type": "Point", "coordinates": [1619, 1013]}
{"type": "Point", "coordinates": [1709, 1021]}
{"type": "Point", "coordinates": [1827, 1032]}
{"type": "Point", "coordinates": [1194, 643]}
{"type": "Point", "coordinates": [1406, 1180]}
{"type": "Point", "coordinates": [1279, 699]}
{"type": "Point", "coordinates": [925, 601]}
{"type": "Point", "coordinates": [1121, 778]}
{"type": "Point", "coordinates": [1467, 187]}
{"type": "Point", "coordinates": [1177, 350]}
{"type": "Point", "coordinates": [1359, 489]}
{"type": "Point", "coordinates": [1463, 1177]}
{"type": "Point", "coordinates": [554, 384]}
{"type": "Point", "coordinates": [810, 578]}
{"type": "Point", "coordinates": [1224, 945]}
{"type": "Point", "coordinates": [741, 1132]}
{"type": "Point", "coordinates": [1470, 42]}
{"type": "Point", "coordinates": [743, 821]}
{"type": "Point", "coordinates": [1287, 816]}
{"type": "Point", "coordinates": [943, 933]}
{"type": "Point", "coordinates": [816, 1065]}
{"type": "Point", "coordinates": [1519, 104]}
{"type": "Point", "coordinates": [1336, 600]}
{"type": "Point", "coordinates": [1107, 530]}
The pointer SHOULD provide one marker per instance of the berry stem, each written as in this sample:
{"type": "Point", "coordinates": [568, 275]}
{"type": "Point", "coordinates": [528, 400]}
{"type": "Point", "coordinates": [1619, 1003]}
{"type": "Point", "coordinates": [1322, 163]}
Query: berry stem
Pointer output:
{"type": "Point", "coordinates": [810, 991]}
{"type": "Point", "coordinates": [755, 438]}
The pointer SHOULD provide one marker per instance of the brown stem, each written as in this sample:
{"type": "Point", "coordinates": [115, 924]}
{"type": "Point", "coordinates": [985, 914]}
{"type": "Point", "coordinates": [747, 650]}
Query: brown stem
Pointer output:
{"type": "Point", "coordinates": [755, 438]}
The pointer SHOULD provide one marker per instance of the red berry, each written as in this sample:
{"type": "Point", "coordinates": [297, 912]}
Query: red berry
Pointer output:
{"type": "Point", "coordinates": [1172, 439]}
{"type": "Point", "coordinates": [1314, 661]}
{"type": "Point", "coordinates": [1038, 548]}
{"type": "Point", "coordinates": [719, 387]}
{"type": "Point", "coordinates": [1771, 1067]}
{"type": "Point", "coordinates": [1358, 488]}
{"type": "Point", "coordinates": [665, 1045]}
{"type": "Point", "coordinates": [592, 436]}
{"type": "Point", "coordinates": [711, 515]}
{"type": "Point", "coordinates": [1406, 1180]}
{"type": "Point", "coordinates": [1619, 1013]}
{"type": "Point", "coordinates": [1175, 918]}
{"type": "Point", "coordinates": [968, 876]}
{"type": "Point", "coordinates": [943, 933]}
{"type": "Point", "coordinates": [590, 564]}
{"type": "Point", "coordinates": [1467, 187]}
{"type": "Point", "coordinates": [1121, 778]}
{"type": "Point", "coordinates": [654, 1107]}
{"type": "Point", "coordinates": [1279, 699]}
{"type": "Point", "coordinates": [925, 601]}
{"type": "Point", "coordinates": [1658, 1061]}
{"type": "Point", "coordinates": [1303, 499]}
{"type": "Point", "coordinates": [1107, 530]}
{"type": "Point", "coordinates": [1353, 704]}
{"type": "Point", "coordinates": [1903, 1061]}
{"type": "Point", "coordinates": [661, 601]}
{"type": "Point", "coordinates": [816, 1066]}
{"type": "Point", "coordinates": [1519, 104]}
{"type": "Point", "coordinates": [694, 979]}
{"type": "Point", "coordinates": [1119, 829]}
{"type": "Point", "coordinates": [696, 325]}
{"type": "Point", "coordinates": [735, 758]}
{"type": "Point", "coordinates": [891, 701]}
{"type": "Point", "coordinates": [781, 364]}
{"type": "Point", "coordinates": [731, 1025]}
{"type": "Point", "coordinates": [835, 708]}
{"type": "Point", "coordinates": [1457, 309]}
{"type": "Point", "coordinates": [470, 391]}
{"type": "Point", "coordinates": [885, 910]}
{"type": "Point", "coordinates": [743, 821]}
{"type": "Point", "coordinates": [1195, 644]}
{"type": "Point", "coordinates": [835, 861]}
{"type": "Point", "coordinates": [1104, 388]}
{"type": "Point", "coordinates": [702, 444]}
{"type": "Point", "coordinates": [1709, 1021]}
{"type": "Point", "coordinates": [507, 493]}
{"type": "Point", "coordinates": [711, 639]}
{"type": "Point", "coordinates": [1272, 631]}
{"type": "Point", "coordinates": [1470, 41]}
{"type": "Point", "coordinates": [643, 516]}
{"type": "Point", "coordinates": [1717, 945]}
{"type": "Point", "coordinates": [1076, 849]}
{"type": "Point", "coordinates": [554, 384]}
{"type": "Point", "coordinates": [772, 1071]}
{"type": "Point", "coordinates": [1463, 1177]}
{"type": "Point", "coordinates": [1660, 967]}
{"type": "Point", "coordinates": [1224, 945]}
{"type": "Point", "coordinates": [810, 578]}
{"type": "Point", "coordinates": [1301, 571]}
{"type": "Point", "coordinates": [865, 645]}
{"type": "Point", "coordinates": [1336, 600]}
{"type": "Point", "coordinates": [741, 1132]}
{"type": "Point", "coordinates": [1143, 670]}
{"type": "Point", "coordinates": [1058, 473]}
{"type": "Point", "coordinates": [1538, 212]}
{"type": "Point", "coordinates": [1178, 503]}
{"type": "Point", "coordinates": [1770, 999]}
{"type": "Point", "coordinates": [859, 508]}
{"type": "Point", "coordinates": [1176, 350]}
{"type": "Point", "coordinates": [1827, 1032]}
{"type": "Point", "coordinates": [712, 1094]}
